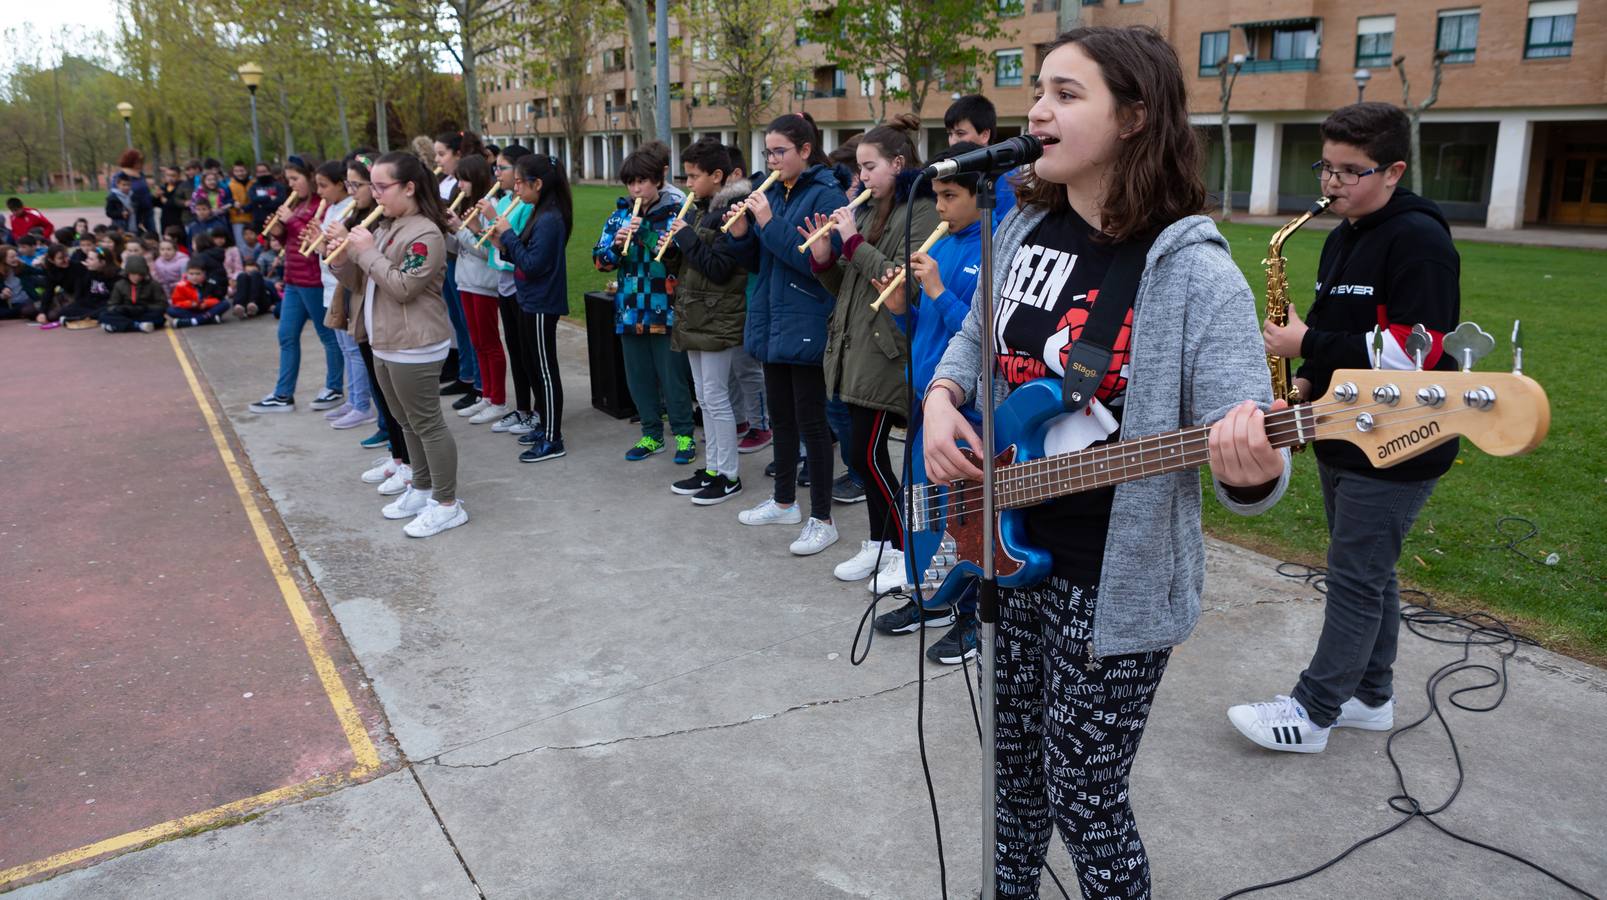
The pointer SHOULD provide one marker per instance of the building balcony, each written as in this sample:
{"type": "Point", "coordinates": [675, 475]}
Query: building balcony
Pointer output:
{"type": "Point", "coordinates": [1263, 66]}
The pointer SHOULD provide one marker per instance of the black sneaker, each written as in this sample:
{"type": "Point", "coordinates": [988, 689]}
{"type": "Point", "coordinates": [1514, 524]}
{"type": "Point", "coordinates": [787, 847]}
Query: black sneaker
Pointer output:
{"type": "Point", "coordinates": [457, 387]}
{"type": "Point", "coordinates": [846, 490]}
{"type": "Point", "coordinates": [719, 490]}
{"type": "Point", "coordinates": [770, 470]}
{"type": "Point", "coordinates": [467, 400]}
{"type": "Point", "coordinates": [542, 449]}
{"type": "Point", "coordinates": [700, 479]}
{"type": "Point", "coordinates": [803, 473]}
{"type": "Point", "coordinates": [909, 617]}
{"type": "Point", "coordinates": [959, 644]}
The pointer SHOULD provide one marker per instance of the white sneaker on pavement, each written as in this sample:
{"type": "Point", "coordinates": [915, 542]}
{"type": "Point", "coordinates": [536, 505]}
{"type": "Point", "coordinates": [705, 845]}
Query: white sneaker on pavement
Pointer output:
{"type": "Point", "coordinates": [1281, 724]}
{"type": "Point", "coordinates": [769, 513]}
{"type": "Point", "coordinates": [891, 577]}
{"type": "Point", "coordinates": [861, 564]}
{"type": "Point", "coordinates": [381, 468]}
{"type": "Point", "coordinates": [491, 412]}
{"type": "Point", "coordinates": [435, 519]}
{"type": "Point", "coordinates": [412, 502]}
{"type": "Point", "coordinates": [1355, 714]}
{"type": "Point", "coordinates": [474, 408]}
{"type": "Point", "coordinates": [815, 537]}
{"type": "Point", "coordinates": [398, 482]}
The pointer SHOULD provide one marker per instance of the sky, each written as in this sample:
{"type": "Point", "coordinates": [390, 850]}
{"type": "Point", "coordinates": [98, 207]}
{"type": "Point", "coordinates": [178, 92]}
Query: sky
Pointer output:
{"type": "Point", "coordinates": [51, 19]}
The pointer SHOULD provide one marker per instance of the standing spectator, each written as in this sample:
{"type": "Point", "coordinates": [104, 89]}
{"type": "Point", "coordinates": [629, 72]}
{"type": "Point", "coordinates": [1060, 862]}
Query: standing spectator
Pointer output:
{"type": "Point", "coordinates": [132, 164]}
{"type": "Point", "coordinates": [172, 198]}
{"type": "Point", "coordinates": [240, 194]}
{"type": "Point", "coordinates": [25, 219]}
{"type": "Point", "coordinates": [213, 192]}
{"type": "Point", "coordinates": [199, 229]}
{"type": "Point", "coordinates": [264, 197]}
{"type": "Point", "coordinates": [120, 203]}
{"type": "Point", "coordinates": [192, 174]}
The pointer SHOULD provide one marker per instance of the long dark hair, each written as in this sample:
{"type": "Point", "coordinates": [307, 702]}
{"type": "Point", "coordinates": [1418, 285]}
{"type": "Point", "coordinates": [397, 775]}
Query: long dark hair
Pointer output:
{"type": "Point", "coordinates": [296, 165]}
{"type": "Point", "coordinates": [892, 140]}
{"type": "Point", "coordinates": [463, 143]}
{"type": "Point", "coordinates": [1156, 178]}
{"type": "Point", "coordinates": [334, 172]}
{"type": "Point", "coordinates": [410, 169]}
{"type": "Point", "coordinates": [358, 162]}
{"type": "Point", "coordinates": [474, 177]}
{"type": "Point", "coordinates": [800, 129]}
{"type": "Point", "coordinates": [554, 187]}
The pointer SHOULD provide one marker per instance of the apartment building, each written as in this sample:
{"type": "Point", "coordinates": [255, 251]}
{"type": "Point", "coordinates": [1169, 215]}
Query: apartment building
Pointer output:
{"type": "Point", "coordinates": [1518, 135]}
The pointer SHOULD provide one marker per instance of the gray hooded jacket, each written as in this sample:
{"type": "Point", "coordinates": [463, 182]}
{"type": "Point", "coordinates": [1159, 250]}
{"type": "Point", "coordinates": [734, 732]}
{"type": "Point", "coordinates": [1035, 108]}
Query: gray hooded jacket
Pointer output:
{"type": "Point", "coordinates": [1196, 353]}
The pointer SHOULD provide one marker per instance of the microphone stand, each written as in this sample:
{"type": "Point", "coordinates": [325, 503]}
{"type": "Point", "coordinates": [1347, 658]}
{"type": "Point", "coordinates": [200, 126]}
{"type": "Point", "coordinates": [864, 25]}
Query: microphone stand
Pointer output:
{"type": "Point", "coordinates": [988, 590]}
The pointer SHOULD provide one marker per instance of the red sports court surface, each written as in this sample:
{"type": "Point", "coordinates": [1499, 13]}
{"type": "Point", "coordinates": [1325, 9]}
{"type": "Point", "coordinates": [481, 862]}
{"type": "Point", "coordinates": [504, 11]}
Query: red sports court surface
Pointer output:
{"type": "Point", "coordinates": [153, 668]}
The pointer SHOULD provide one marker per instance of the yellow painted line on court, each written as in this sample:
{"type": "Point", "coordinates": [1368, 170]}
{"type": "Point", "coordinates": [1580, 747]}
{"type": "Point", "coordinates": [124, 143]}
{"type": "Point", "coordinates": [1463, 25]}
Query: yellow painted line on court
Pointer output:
{"type": "Point", "coordinates": [169, 828]}
{"type": "Point", "coordinates": [363, 749]}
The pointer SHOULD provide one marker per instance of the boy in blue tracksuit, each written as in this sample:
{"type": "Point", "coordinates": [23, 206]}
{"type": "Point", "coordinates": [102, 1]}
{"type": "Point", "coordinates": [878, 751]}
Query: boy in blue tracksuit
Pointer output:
{"type": "Point", "coordinates": [644, 311]}
{"type": "Point", "coordinates": [946, 278]}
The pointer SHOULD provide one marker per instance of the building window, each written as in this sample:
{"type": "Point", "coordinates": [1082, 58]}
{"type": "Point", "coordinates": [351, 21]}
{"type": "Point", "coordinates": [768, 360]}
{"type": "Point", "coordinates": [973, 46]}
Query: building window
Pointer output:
{"type": "Point", "coordinates": [697, 48]}
{"type": "Point", "coordinates": [1011, 8]}
{"type": "Point", "coordinates": [1375, 42]}
{"type": "Point", "coordinates": [1007, 68]}
{"type": "Point", "coordinates": [1551, 29]}
{"type": "Point", "coordinates": [1459, 34]}
{"type": "Point", "coordinates": [1213, 49]}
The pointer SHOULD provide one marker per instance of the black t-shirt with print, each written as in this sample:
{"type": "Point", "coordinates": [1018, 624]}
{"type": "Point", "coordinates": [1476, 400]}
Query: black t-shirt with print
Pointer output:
{"type": "Point", "coordinates": [1052, 285]}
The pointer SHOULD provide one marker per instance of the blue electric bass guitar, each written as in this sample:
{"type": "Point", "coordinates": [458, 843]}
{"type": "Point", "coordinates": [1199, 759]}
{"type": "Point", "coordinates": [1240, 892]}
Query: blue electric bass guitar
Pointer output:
{"type": "Point", "coordinates": [1391, 415]}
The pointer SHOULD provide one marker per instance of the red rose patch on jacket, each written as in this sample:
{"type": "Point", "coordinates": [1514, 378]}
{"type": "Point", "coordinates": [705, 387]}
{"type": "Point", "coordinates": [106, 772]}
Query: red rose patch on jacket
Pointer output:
{"type": "Point", "coordinates": [415, 257]}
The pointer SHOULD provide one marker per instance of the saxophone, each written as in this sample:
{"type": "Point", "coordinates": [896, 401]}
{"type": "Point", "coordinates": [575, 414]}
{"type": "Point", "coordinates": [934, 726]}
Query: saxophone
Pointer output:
{"type": "Point", "coordinates": [1278, 300]}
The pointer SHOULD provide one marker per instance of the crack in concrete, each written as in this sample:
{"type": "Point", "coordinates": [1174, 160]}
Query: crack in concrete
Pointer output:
{"type": "Point", "coordinates": [719, 726]}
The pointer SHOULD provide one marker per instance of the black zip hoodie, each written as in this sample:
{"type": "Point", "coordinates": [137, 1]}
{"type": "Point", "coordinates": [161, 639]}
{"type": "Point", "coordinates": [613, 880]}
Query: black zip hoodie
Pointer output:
{"type": "Point", "coordinates": [1393, 268]}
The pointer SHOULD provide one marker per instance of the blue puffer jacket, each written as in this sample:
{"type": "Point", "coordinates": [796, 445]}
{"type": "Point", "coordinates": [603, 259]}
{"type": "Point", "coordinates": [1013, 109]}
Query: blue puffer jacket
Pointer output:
{"type": "Point", "coordinates": [540, 272]}
{"type": "Point", "coordinates": [789, 309]}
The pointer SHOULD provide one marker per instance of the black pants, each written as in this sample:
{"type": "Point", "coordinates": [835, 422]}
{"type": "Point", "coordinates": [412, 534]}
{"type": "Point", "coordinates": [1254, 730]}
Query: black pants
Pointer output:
{"type": "Point", "coordinates": [1368, 519]}
{"type": "Point", "coordinates": [1068, 727]}
{"type": "Point", "coordinates": [538, 341]}
{"type": "Point", "coordinates": [867, 452]}
{"type": "Point", "coordinates": [797, 399]}
{"type": "Point", "coordinates": [393, 428]}
{"type": "Point", "coordinates": [128, 318]}
{"type": "Point", "coordinates": [508, 308]}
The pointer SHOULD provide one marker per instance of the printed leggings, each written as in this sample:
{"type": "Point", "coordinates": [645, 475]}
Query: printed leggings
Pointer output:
{"type": "Point", "coordinates": [1068, 727]}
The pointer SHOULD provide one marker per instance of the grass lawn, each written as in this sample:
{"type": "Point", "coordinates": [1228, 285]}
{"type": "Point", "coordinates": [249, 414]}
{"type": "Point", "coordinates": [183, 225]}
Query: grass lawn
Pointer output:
{"type": "Point", "coordinates": [593, 205]}
{"type": "Point", "coordinates": [1558, 295]}
{"type": "Point", "coordinates": [64, 200]}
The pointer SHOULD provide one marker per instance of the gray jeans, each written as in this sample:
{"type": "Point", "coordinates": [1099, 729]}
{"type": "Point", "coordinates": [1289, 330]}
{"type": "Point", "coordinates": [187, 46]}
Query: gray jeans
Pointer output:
{"type": "Point", "coordinates": [413, 392]}
{"type": "Point", "coordinates": [711, 375]}
{"type": "Point", "coordinates": [1368, 519]}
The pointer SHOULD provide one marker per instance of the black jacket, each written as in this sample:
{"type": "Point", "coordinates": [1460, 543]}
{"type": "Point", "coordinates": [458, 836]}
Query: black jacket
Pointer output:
{"type": "Point", "coordinates": [1393, 269]}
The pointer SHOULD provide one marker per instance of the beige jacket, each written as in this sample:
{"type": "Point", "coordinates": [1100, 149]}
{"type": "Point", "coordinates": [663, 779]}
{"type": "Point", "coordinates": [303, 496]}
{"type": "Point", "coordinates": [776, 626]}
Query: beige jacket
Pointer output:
{"type": "Point", "coordinates": [408, 267]}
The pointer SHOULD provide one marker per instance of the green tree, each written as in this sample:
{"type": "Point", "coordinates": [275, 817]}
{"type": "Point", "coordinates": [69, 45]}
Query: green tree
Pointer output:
{"type": "Point", "coordinates": [922, 43]}
{"type": "Point", "coordinates": [750, 46]}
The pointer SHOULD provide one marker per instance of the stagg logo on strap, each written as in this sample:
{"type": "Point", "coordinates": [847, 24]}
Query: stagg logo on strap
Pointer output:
{"type": "Point", "coordinates": [1361, 290]}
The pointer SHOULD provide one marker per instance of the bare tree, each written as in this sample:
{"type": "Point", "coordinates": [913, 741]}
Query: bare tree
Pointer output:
{"type": "Point", "coordinates": [1415, 113]}
{"type": "Point", "coordinates": [642, 69]}
{"type": "Point", "coordinates": [565, 69]}
{"type": "Point", "coordinates": [751, 47]}
{"type": "Point", "coordinates": [1228, 72]}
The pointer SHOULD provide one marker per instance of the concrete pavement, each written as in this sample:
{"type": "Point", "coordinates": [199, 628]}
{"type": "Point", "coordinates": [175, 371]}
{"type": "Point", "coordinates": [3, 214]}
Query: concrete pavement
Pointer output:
{"type": "Point", "coordinates": [605, 692]}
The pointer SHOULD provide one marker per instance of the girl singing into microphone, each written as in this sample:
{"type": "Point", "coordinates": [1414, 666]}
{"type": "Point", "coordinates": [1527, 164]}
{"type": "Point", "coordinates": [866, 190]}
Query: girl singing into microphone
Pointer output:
{"type": "Point", "coordinates": [1080, 655]}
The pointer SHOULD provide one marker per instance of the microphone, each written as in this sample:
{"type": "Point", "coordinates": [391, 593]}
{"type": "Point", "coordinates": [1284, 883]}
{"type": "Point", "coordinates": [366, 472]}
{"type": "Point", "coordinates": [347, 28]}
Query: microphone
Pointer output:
{"type": "Point", "coordinates": [1006, 154]}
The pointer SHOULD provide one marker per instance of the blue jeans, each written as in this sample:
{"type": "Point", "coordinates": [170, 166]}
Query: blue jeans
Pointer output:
{"type": "Point", "coordinates": [842, 428]}
{"type": "Point", "coordinates": [300, 305]}
{"type": "Point", "coordinates": [1368, 519]}
{"type": "Point", "coordinates": [358, 392]}
{"type": "Point", "coordinates": [468, 365]}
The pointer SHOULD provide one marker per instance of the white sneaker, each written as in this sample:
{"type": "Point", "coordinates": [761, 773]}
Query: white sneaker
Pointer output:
{"type": "Point", "coordinates": [397, 481]}
{"type": "Point", "coordinates": [861, 564]}
{"type": "Point", "coordinates": [491, 413]}
{"type": "Point", "coordinates": [383, 468]}
{"type": "Point", "coordinates": [815, 537]}
{"type": "Point", "coordinates": [412, 502]}
{"type": "Point", "coordinates": [506, 422]}
{"type": "Point", "coordinates": [474, 408]}
{"type": "Point", "coordinates": [435, 519]}
{"type": "Point", "coordinates": [768, 513]}
{"type": "Point", "coordinates": [1279, 725]}
{"type": "Point", "coordinates": [1355, 714]}
{"type": "Point", "coordinates": [891, 577]}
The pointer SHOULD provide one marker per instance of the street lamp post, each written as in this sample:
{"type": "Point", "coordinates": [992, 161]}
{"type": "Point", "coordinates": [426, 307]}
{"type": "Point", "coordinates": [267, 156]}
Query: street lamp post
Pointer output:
{"type": "Point", "coordinates": [126, 110]}
{"type": "Point", "coordinates": [1362, 76]}
{"type": "Point", "coordinates": [251, 74]}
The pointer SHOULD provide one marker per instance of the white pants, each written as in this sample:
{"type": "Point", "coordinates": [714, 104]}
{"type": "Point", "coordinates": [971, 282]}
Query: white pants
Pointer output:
{"type": "Point", "coordinates": [711, 376]}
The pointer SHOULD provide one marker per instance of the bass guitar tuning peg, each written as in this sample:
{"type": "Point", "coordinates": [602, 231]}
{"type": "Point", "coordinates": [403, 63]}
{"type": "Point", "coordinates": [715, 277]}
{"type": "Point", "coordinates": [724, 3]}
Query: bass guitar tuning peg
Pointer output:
{"type": "Point", "coordinates": [1375, 347]}
{"type": "Point", "coordinates": [1468, 344]}
{"type": "Point", "coordinates": [1418, 344]}
{"type": "Point", "coordinates": [1517, 347]}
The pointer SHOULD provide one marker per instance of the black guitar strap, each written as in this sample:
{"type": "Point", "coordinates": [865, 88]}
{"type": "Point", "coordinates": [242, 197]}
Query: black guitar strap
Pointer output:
{"type": "Point", "coordinates": [1088, 360]}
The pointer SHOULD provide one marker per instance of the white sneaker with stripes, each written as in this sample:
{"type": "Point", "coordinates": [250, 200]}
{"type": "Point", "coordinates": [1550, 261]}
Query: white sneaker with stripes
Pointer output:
{"type": "Point", "coordinates": [1281, 724]}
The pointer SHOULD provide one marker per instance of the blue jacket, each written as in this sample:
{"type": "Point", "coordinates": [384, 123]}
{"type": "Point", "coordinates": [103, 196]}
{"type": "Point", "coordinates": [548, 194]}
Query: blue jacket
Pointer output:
{"type": "Point", "coordinates": [540, 274]}
{"type": "Point", "coordinates": [1004, 198]}
{"type": "Point", "coordinates": [788, 311]}
{"type": "Point", "coordinates": [936, 319]}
